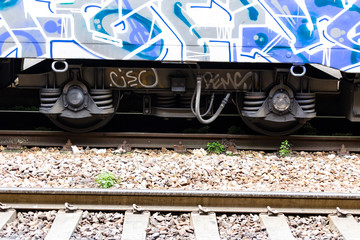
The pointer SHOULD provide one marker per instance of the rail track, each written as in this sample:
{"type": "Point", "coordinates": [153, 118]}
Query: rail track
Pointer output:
{"type": "Point", "coordinates": [177, 141]}
{"type": "Point", "coordinates": [272, 207]}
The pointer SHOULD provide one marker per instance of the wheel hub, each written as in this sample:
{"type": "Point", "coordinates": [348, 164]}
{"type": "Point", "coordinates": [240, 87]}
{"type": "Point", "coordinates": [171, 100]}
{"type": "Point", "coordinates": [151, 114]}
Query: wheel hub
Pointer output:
{"type": "Point", "coordinates": [281, 101]}
{"type": "Point", "coordinates": [75, 97]}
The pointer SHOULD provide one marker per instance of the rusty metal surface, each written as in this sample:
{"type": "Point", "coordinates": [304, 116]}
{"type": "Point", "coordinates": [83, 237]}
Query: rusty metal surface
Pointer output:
{"type": "Point", "coordinates": [177, 200]}
{"type": "Point", "coordinates": [169, 140]}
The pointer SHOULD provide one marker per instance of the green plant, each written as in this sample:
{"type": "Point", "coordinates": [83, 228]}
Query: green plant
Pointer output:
{"type": "Point", "coordinates": [215, 147]}
{"type": "Point", "coordinates": [285, 148]}
{"type": "Point", "coordinates": [106, 179]}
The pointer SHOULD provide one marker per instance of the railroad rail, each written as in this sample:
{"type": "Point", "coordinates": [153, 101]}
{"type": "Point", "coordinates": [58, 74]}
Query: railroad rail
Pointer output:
{"type": "Point", "coordinates": [203, 204]}
{"type": "Point", "coordinates": [176, 140]}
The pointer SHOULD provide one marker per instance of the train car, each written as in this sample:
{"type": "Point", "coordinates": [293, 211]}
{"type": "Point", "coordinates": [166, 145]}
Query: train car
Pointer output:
{"type": "Point", "coordinates": [277, 63]}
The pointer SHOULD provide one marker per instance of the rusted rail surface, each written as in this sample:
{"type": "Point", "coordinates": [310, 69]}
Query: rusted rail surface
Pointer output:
{"type": "Point", "coordinates": [169, 140]}
{"type": "Point", "coordinates": [180, 200]}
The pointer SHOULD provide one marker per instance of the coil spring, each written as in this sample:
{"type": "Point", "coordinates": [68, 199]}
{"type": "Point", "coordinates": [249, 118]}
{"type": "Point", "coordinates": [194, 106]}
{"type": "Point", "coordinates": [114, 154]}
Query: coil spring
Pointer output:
{"type": "Point", "coordinates": [103, 98]}
{"type": "Point", "coordinates": [166, 101]}
{"type": "Point", "coordinates": [48, 98]}
{"type": "Point", "coordinates": [253, 101]}
{"type": "Point", "coordinates": [306, 101]}
{"type": "Point", "coordinates": [184, 101]}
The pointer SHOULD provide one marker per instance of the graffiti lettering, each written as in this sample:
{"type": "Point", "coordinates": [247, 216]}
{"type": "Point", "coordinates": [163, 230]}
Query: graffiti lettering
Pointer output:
{"type": "Point", "coordinates": [226, 80]}
{"type": "Point", "coordinates": [123, 78]}
{"type": "Point", "coordinates": [244, 31]}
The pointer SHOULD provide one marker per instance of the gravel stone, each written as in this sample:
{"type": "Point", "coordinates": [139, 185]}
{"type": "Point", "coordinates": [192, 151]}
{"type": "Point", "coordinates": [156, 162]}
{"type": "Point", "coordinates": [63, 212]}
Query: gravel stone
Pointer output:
{"type": "Point", "coordinates": [241, 227]}
{"type": "Point", "coordinates": [99, 225]}
{"type": "Point", "coordinates": [169, 226]}
{"type": "Point", "coordinates": [313, 227]}
{"type": "Point", "coordinates": [29, 225]}
{"type": "Point", "coordinates": [197, 170]}
{"type": "Point", "coordinates": [109, 225]}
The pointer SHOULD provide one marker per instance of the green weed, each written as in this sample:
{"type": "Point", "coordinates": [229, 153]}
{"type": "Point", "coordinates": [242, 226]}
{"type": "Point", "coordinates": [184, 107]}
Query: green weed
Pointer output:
{"type": "Point", "coordinates": [285, 148]}
{"type": "Point", "coordinates": [106, 179]}
{"type": "Point", "coordinates": [215, 147]}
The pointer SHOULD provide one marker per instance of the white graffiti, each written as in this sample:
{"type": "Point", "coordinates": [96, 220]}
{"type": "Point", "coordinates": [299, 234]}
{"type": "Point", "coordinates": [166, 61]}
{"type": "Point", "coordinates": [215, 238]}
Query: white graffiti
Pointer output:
{"type": "Point", "coordinates": [225, 81]}
{"type": "Point", "coordinates": [239, 31]}
{"type": "Point", "coordinates": [128, 78]}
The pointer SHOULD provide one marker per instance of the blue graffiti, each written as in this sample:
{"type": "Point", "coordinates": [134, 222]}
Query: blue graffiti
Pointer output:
{"type": "Point", "coordinates": [229, 47]}
{"type": "Point", "coordinates": [80, 46]}
{"type": "Point", "coordinates": [141, 28]}
{"type": "Point", "coordinates": [290, 31]}
{"type": "Point", "coordinates": [261, 39]}
{"type": "Point", "coordinates": [52, 26]}
{"type": "Point", "coordinates": [181, 43]}
{"type": "Point", "coordinates": [211, 6]}
{"type": "Point", "coordinates": [7, 4]}
{"type": "Point", "coordinates": [253, 13]}
{"type": "Point", "coordinates": [98, 19]}
{"type": "Point", "coordinates": [335, 3]}
{"type": "Point", "coordinates": [122, 23]}
{"type": "Point", "coordinates": [48, 3]}
{"type": "Point", "coordinates": [29, 38]}
{"type": "Point", "coordinates": [91, 6]}
{"type": "Point", "coordinates": [180, 15]}
{"type": "Point", "coordinates": [141, 31]}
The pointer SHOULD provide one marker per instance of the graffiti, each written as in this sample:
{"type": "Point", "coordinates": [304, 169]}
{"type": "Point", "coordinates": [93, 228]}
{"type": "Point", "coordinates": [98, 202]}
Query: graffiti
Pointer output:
{"type": "Point", "coordinates": [122, 78]}
{"type": "Point", "coordinates": [226, 80]}
{"type": "Point", "coordinates": [291, 31]}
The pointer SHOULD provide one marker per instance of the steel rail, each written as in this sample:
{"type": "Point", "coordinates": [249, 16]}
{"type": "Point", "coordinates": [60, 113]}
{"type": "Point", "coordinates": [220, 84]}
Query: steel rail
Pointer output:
{"type": "Point", "coordinates": [180, 200]}
{"type": "Point", "coordinates": [169, 140]}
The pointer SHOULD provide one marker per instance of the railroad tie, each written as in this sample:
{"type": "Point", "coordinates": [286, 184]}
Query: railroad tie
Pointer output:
{"type": "Point", "coordinates": [64, 225]}
{"type": "Point", "coordinates": [276, 226]}
{"type": "Point", "coordinates": [347, 226]}
{"type": "Point", "coordinates": [135, 225]}
{"type": "Point", "coordinates": [6, 217]}
{"type": "Point", "coordinates": [205, 226]}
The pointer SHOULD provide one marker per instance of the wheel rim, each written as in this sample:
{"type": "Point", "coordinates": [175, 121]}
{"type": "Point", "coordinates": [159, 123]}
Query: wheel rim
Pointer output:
{"type": "Point", "coordinates": [273, 128]}
{"type": "Point", "coordinates": [268, 127]}
{"type": "Point", "coordinates": [86, 124]}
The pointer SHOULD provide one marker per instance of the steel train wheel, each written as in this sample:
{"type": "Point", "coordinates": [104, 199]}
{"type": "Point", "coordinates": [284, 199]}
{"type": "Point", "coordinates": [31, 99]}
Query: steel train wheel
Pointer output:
{"type": "Point", "coordinates": [87, 124]}
{"type": "Point", "coordinates": [272, 128]}
{"type": "Point", "coordinates": [267, 127]}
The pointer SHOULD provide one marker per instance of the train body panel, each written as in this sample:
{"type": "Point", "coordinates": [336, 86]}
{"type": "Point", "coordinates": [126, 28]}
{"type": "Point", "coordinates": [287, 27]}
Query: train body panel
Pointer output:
{"type": "Point", "coordinates": [281, 31]}
{"type": "Point", "coordinates": [273, 61]}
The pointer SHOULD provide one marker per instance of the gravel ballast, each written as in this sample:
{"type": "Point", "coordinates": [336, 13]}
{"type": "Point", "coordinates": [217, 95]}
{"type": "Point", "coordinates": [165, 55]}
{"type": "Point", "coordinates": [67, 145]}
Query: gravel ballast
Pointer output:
{"type": "Point", "coordinates": [29, 225]}
{"type": "Point", "coordinates": [100, 225]}
{"type": "Point", "coordinates": [165, 169]}
{"type": "Point", "coordinates": [197, 170]}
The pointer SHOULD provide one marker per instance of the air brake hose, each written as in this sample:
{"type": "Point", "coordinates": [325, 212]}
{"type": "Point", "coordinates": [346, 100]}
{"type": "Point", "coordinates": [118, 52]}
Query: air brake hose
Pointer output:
{"type": "Point", "coordinates": [197, 104]}
{"type": "Point", "coordinates": [209, 108]}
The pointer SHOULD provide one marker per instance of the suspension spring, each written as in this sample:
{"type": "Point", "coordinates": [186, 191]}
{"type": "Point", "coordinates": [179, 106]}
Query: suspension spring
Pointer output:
{"type": "Point", "coordinates": [253, 101]}
{"type": "Point", "coordinates": [48, 98]}
{"type": "Point", "coordinates": [306, 101]}
{"type": "Point", "coordinates": [184, 101]}
{"type": "Point", "coordinates": [103, 98]}
{"type": "Point", "coordinates": [166, 101]}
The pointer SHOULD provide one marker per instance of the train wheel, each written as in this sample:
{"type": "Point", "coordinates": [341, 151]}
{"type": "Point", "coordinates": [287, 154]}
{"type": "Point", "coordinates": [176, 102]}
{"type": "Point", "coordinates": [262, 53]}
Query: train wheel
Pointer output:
{"type": "Point", "coordinates": [272, 128]}
{"type": "Point", "coordinates": [252, 102]}
{"type": "Point", "coordinates": [87, 124]}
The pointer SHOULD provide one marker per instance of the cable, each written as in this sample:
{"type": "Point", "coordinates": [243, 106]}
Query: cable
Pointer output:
{"type": "Point", "coordinates": [197, 113]}
{"type": "Point", "coordinates": [209, 108]}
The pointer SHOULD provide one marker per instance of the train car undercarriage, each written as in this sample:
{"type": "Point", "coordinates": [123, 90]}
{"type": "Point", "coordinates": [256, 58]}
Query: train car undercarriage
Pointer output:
{"type": "Point", "coordinates": [272, 99]}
